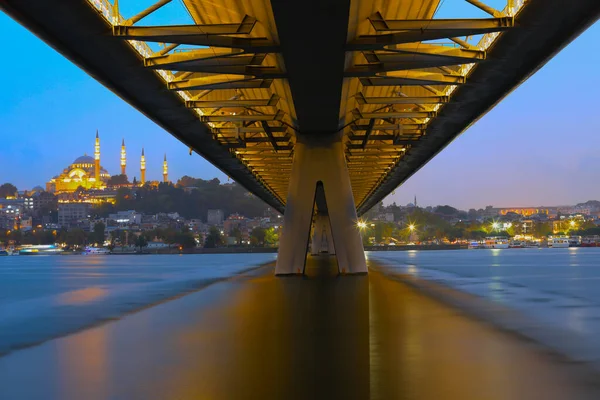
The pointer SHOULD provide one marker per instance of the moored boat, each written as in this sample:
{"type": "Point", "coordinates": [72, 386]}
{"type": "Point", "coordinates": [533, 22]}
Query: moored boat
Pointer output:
{"type": "Point", "coordinates": [590, 241]}
{"type": "Point", "coordinates": [495, 242]}
{"type": "Point", "coordinates": [95, 251]}
{"type": "Point", "coordinates": [557, 242]}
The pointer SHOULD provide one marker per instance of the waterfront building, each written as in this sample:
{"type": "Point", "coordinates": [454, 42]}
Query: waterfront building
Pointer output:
{"type": "Point", "coordinates": [215, 217]}
{"type": "Point", "coordinates": [69, 213]}
{"type": "Point", "coordinates": [126, 217]}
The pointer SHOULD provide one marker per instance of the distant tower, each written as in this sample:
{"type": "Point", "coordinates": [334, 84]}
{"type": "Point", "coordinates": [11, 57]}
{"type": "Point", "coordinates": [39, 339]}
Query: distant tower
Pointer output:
{"type": "Point", "coordinates": [123, 158]}
{"type": "Point", "coordinates": [165, 170]}
{"type": "Point", "coordinates": [97, 159]}
{"type": "Point", "coordinates": [143, 168]}
{"type": "Point", "coordinates": [415, 200]}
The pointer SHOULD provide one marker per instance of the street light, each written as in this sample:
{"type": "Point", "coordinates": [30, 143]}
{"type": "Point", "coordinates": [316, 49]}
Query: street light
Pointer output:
{"type": "Point", "coordinates": [572, 223]}
{"type": "Point", "coordinates": [411, 227]}
{"type": "Point", "coordinates": [361, 224]}
{"type": "Point", "coordinates": [495, 225]}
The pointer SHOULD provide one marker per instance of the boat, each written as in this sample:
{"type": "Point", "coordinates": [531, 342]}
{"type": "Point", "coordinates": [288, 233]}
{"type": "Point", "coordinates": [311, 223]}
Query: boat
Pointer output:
{"type": "Point", "coordinates": [3, 253]}
{"type": "Point", "coordinates": [590, 241]}
{"type": "Point", "coordinates": [574, 241]}
{"type": "Point", "coordinates": [532, 244]}
{"type": "Point", "coordinates": [90, 251]}
{"type": "Point", "coordinates": [475, 245]}
{"type": "Point", "coordinates": [42, 249]}
{"type": "Point", "coordinates": [516, 244]}
{"type": "Point", "coordinates": [495, 242]}
{"type": "Point", "coordinates": [557, 242]}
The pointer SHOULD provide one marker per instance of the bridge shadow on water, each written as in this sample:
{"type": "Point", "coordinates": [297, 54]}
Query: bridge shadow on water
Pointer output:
{"type": "Point", "coordinates": [322, 336]}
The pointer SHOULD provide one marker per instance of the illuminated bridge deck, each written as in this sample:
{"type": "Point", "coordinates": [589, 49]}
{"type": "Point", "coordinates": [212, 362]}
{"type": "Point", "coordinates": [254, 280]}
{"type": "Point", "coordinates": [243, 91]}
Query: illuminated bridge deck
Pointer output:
{"type": "Point", "coordinates": [321, 337]}
{"type": "Point", "coordinates": [242, 82]}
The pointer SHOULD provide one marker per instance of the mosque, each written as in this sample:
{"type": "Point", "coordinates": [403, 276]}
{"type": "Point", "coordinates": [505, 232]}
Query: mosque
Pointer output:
{"type": "Point", "coordinates": [87, 173]}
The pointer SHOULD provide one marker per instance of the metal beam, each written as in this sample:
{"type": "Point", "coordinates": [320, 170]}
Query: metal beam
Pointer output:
{"type": "Point", "coordinates": [209, 83]}
{"type": "Point", "coordinates": [383, 147]}
{"type": "Point", "coordinates": [414, 57]}
{"type": "Point", "coordinates": [413, 78]}
{"type": "Point", "coordinates": [492, 11]}
{"type": "Point", "coordinates": [247, 129]}
{"type": "Point", "coordinates": [361, 99]}
{"type": "Point", "coordinates": [406, 128]}
{"type": "Point", "coordinates": [199, 35]}
{"type": "Point", "coordinates": [223, 62]}
{"type": "Point", "coordinates": [413, 31]}
{"type": "Point", "coordinates": [243, 117]}
{"type": "Point", "coordinates": [368, 133]}
{"type": "Point", "coordinates": [269, 133]}
{"type": "Point", "coordinates": [272, 101]}
{"type": "Point", "coordinates": [206, 57]}
{"type": "Point", "coordinates": [146, 12]}
{"type": "Point", "coordinates": [385, 137]}
{"type": "Point", "coordinates": [393, 114]}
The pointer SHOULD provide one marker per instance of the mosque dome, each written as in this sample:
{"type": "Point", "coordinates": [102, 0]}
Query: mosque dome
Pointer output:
{"type": "Point", "coordinates": [85, 159]}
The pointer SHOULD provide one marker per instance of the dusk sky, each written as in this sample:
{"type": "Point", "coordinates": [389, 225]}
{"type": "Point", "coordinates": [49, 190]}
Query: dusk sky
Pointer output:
{"type": "Point", "coordinates": [539, 146]}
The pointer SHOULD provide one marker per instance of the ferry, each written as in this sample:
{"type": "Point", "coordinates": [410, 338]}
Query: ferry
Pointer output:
{"type": "Point", "coordinates": [89, 251]}
{"type": "Point", "coordinates": [558, 242]}
{"type": "Point", "coordinates": [45, 249]}
{"type": "Point", "coordinates": [590, 241]}
{"type": "Point", "coordinates": [574, 241]}
{"type": "Point", "coordinates": [496, 243]}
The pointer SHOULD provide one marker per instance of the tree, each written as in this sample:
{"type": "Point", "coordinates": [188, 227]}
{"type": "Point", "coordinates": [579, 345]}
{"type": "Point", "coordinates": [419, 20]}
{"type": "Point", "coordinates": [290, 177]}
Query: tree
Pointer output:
{"type": "Point", "coordinates": [141, 242]}
{"type": "Point", "coordinates": [97, 236]}
{"type": "Point", "coordinates": [186, 240]}
{"type": "Point", "coordinates": [7, 190]}
{"type": "Point", "coordinates": [237, 234]}
{"type": "Point", "coordinates": [214, 238]}
{"type": "Point", "coordinates": [257, 236]}
{"type": "Point", "coordinates": [76, 237]}
{"type": "Point", "coordinates": [117, 180]}
{"type": "Point", "coordinates": [271, 237]}
{"type": "Point", "coordinates": [446, 210]}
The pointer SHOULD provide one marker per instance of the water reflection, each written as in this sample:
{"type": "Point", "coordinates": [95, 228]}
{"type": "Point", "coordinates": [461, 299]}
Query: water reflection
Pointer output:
{"type": "Point", "coordinates": [261, 337]}
{"type": "Point", "coordinates": [81, 296]}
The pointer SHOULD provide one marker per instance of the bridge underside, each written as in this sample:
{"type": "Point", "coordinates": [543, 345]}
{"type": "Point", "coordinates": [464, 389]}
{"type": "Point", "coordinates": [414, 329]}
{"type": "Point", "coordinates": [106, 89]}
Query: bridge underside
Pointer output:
{"type": "Point", "coordinates": [252, 84]}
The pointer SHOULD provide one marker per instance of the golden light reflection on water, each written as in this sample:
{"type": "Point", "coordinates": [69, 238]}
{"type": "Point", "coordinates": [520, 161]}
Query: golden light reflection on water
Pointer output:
{"type": "Point", "coordinates": [322, 336]}
{"type": "Point", "coordinates": [81, 296]}
{"type": "Point", "coordinates": [83, 366]}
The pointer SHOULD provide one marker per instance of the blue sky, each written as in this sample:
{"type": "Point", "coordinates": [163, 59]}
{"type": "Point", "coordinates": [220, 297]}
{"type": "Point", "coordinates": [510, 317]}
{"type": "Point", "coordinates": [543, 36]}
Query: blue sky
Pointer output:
{"type": "Point", "coordinates": [540, 146]}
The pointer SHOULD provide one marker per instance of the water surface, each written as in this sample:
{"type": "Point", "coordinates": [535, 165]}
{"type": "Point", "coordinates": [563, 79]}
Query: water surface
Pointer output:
{"type": "Point", "coordinates": [559, 287]}
{"type": "Point", "coordinates": [42, 297]}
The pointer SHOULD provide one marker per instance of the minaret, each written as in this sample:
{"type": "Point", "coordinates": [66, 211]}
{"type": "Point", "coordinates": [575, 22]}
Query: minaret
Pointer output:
{"type": "Point", "coordinates": [165, 170]}
{"type": "Point", "coordinates": [143, 169]}
{"type": "Point", "coordinates": [123, 158]}
{"type": "Point", "coordinates": [97, 159]}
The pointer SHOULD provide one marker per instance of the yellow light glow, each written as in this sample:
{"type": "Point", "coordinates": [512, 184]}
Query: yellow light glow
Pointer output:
{"type": "Point", "coordinates": [361, 224]}
{"type": "Point", "coordinates": [411, 227]}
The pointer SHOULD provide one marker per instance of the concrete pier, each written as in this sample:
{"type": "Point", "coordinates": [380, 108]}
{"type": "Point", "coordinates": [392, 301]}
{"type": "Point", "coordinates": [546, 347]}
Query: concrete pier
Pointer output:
{"type": "Point", "coordinates": [321, 336]}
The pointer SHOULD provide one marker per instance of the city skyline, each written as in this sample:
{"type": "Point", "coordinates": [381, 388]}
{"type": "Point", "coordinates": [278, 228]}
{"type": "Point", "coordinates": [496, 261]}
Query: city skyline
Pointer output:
{"type": "Point", "coordinates": [536, 147]}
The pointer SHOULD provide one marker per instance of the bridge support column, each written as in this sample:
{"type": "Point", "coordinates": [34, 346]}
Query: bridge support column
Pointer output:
{"type": "Point", "coordinates": [322, 240]}
{"type": "Point", "coordinates": [320, 176]}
